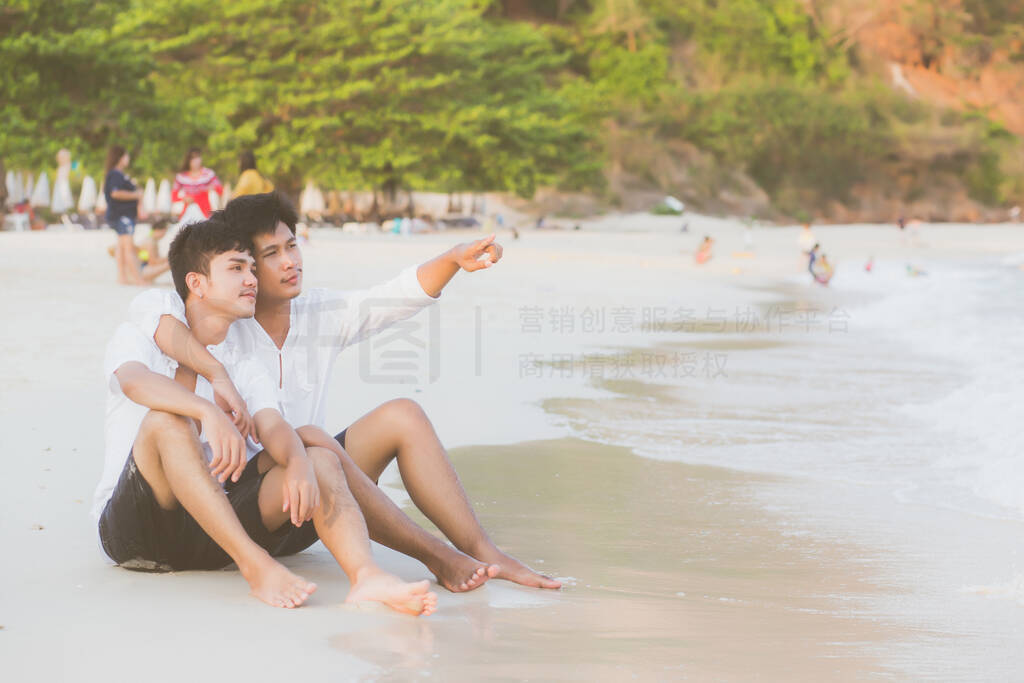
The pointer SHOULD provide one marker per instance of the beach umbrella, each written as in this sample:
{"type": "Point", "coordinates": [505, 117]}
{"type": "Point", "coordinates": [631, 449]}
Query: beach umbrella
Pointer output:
{"type": "Point", "coordinates": [149, 197]}
{"type": "Point", "coordinates": [101, 201]}
{"type": "Point", "coordinates": [87, 199]}
{"type": "Point", "coordinates": [62, 201]}
{"type": "Point", "coordinates": [41, 194]}
{"type": "Point", "coordinates": [15, 188]}
{"type": "Point", "coordinates": [311, 201]}
{"type": "Point", "coordinates": [304, 198]}
{"type": "Point", "coordinates": [163, 197]}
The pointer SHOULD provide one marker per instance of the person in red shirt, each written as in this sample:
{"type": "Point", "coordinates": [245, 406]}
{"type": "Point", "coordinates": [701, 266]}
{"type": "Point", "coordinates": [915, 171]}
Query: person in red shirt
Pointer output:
{"type": "Point", "coordinates": [192, 185]}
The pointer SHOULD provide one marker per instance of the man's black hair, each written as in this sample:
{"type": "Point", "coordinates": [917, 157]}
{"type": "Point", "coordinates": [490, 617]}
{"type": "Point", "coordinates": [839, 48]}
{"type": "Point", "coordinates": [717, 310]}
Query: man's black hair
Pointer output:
{"type": "Point", "coordinates": [195, 245]}
{"type": "Point", "coordinates": [259, 214]}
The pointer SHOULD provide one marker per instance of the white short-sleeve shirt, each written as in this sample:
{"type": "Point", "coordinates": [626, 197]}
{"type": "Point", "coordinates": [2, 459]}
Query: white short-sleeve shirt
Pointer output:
{"type": "Point", "coordinates": [124, 416]}
{"type": "Point", "coordinates": [323, 322]}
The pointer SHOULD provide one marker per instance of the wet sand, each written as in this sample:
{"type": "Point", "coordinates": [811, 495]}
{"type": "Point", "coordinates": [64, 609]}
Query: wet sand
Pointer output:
{"type": "Point", "coordinates": [672, 572]}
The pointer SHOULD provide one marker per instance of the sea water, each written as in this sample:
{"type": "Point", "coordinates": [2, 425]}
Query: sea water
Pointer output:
{"type": "Point", "coordinates": [893, 400]}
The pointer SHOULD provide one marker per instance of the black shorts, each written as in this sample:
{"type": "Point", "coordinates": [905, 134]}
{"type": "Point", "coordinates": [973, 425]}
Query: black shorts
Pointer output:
{"type": "Point", "coordinates": [137, 533]}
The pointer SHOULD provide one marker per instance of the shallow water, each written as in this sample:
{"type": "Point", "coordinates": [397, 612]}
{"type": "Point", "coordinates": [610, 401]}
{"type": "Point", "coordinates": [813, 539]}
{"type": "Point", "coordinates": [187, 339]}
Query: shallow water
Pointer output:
{"type": "Point", "coordinates": [895, 426]}
{"type": "Point", "coordinates": [672, 571]}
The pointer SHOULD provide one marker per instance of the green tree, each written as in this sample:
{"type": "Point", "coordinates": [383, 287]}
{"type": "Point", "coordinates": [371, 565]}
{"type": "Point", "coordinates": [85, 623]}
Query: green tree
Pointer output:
{"type": "Point", "coordinates": [355, 93]}
{"type": "Point", "coordinates": [72, 78]}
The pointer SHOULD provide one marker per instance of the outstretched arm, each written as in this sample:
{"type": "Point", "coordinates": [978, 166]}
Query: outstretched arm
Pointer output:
{"type": "Point", "coordinates": [469, 256]}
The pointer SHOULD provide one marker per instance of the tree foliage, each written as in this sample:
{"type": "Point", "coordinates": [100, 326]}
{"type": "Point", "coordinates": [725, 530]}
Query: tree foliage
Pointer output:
{"type": "Point", "coordinates": [481, 94]}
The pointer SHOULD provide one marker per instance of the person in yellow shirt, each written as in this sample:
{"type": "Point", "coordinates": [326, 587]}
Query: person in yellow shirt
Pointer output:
{"type": "Point", "coordinates": [251, 181]}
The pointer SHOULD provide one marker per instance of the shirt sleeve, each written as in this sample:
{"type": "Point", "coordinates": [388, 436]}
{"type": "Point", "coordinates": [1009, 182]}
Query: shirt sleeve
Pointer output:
{"type": "Point", "coordinates": [128, 344]}
{"type": "Point", "coordinates": [255, 386]}
{"type": "Point", "coordinates": [147, 308]}
{"type": "Point", "coordinates": [356, 315]}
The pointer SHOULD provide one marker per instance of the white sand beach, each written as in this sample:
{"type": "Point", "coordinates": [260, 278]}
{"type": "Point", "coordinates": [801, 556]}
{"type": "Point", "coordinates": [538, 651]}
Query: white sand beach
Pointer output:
{"type": "Point", "coordinates": [736, 472]}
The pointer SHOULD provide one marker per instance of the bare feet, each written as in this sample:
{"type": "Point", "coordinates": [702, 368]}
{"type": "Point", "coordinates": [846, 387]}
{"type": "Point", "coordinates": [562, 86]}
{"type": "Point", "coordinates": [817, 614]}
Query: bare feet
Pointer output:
{"type": "Point", "coordinates": [513, 570]}
{"type": "Point", "coordinates": [272, 583]}
{"type": "Point", "coordinates": [407, 598]}
{"type": "Point", "coordinates": [460, 572]}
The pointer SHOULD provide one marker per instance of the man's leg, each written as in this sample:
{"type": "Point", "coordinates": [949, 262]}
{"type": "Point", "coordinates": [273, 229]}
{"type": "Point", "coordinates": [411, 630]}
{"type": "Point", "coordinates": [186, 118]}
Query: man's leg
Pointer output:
{"type": "Point", "coordinates": [399, 429]}
{"type": "Point", "coordinates": [388, 525]}
{"type": "Point", "coordinates": [169, 456]}
{"type": "Point", "coordinates": [341, 527]}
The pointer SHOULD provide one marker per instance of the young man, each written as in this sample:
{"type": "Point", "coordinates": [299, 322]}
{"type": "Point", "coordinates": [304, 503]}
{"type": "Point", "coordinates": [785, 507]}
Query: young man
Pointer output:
{"type": "Point", "coordinates": [161, 505]}
{"type": "Point", "coordinates": [297, 337]}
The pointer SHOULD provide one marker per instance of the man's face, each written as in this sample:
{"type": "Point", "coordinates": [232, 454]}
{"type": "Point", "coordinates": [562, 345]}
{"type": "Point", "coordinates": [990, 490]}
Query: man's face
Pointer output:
{"type": "Point", "coordinates": [278, 264]}
{"type": "Point", "coordinates": [230, 289]}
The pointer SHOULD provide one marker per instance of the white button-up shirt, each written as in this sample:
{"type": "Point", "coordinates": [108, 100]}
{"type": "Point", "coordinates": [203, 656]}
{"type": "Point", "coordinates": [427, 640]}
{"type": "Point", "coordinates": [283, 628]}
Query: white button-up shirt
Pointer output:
{"type": "Point", "coordinates": [124, 416]}
{"type": "Point", "coordinates": [323, 322]}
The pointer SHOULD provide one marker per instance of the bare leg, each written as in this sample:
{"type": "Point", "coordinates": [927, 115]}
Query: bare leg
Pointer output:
{"type": "Point", "coordinates": [170, 458]}
{"type": "Point", "coordinates": [341, 527]}
{"type": "Point", "coordinates": [152, 271]}
{"type": "Point", "coordinates": [128, 264]}
{"type": "Point", "coordinates": [123, 242]}
{"type": "Point", "coordinates": [399, 429]}
{"type": "Point", "coordinates": [389, 526]}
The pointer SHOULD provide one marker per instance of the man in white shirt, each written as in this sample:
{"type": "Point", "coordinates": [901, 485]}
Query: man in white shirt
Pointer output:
{"type": "Point", "coordinates": [297, 336]}
{"type": "Point", "coordinates": [172, 498]}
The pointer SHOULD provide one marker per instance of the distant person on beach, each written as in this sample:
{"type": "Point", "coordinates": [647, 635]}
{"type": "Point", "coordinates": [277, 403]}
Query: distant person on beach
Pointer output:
{"type": "Point", "coordinates": [822, 271]}
{"type": "Point", "coordinates": [812, 257]}
{"type": "Point", "coordinates": [192, 187]}
{"type": "Point", "coordinates": [298, 335]}
{"type": "Point", "coordinates": [123, 196]}
{"type": "Point", "coordinates": [806, 238]}
{"type": "Point", "coordinates": [704, 250]}
{"type": "Point", "coordinates": [251, 181]}
{"type": "Point", "coordinates": [174, 498]}
{"type": "Point", "coordinates": [151, 264]}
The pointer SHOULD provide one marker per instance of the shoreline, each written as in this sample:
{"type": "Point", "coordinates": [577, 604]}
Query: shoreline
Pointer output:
{"type": "Point", "coordinates": [898, 605]}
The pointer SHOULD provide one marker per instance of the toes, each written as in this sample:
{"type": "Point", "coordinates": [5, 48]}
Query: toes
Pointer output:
{"type": "Point", "coordinates": [493, 570]}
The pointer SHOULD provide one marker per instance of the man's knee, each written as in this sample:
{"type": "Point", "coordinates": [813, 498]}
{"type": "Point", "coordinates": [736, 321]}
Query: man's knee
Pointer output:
{"type": "Point", "coordinates": [159, 422]}
{"type": "Point", "coordinates": [405, 411]}
{"type": "Point", "coordinates": [326, 463]}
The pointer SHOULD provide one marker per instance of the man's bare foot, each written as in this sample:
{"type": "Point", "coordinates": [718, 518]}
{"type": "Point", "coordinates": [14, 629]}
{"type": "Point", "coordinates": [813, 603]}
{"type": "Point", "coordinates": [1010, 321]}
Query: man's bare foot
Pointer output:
{"type": "Point", "coordinates": [460, 572]}
{"type": "Point", "coordinates": [407, 598]}
{"type": "Point", "coordinates": [511, 569]}
{"type": "Point", "coordinates": [272, 583]}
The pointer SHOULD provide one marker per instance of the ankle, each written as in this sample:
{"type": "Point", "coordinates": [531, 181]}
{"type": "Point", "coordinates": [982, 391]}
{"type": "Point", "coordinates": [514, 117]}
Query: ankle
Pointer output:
{"type": "Point", "coordinates": [256, 563]}
{"type": "Point", "coordinates": [484, 549]}
{"type": "Point", "coordinates": [364, 573]}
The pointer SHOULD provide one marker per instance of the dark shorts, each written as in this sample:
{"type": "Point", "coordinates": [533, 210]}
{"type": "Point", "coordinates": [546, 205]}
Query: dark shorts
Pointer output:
{"type": "Point", "coordinates": [340, 437]}
{"type": "Point", "coordinates": [123, 225]}
{"type": "Point", "coordinates": [137, 533]}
